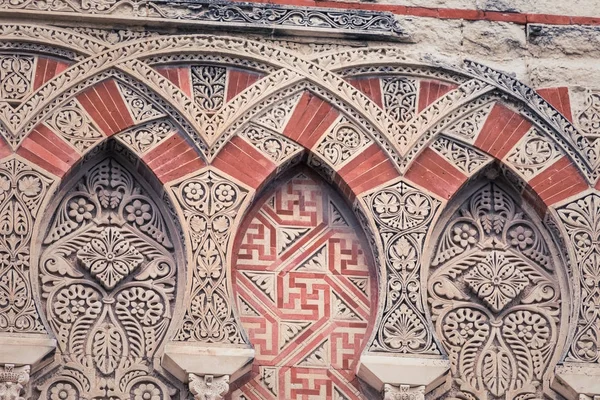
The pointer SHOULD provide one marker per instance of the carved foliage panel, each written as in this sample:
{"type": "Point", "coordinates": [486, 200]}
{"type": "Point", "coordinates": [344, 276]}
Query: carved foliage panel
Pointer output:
{"type": "Point", "coordinates": [402, 215]}
{"type": "Point", "coordinates": [108, 281]}
{"type": "Point", "coordinates": [581, 219]}
{"type": "Point", "coordinates": [304, 292]}
{"type": "Point", "coordinates": [75, 126]}
{"type": "Point", "coordinates": [210, 204]}
{"type": "Point", "coordinates": [342, 142]}
{"type": "Point", "coordinates": [23, 189]}
{"type": "Point", "coordinates": [533, 154]}
{"type": "Point", "coordinates": [494, 298]}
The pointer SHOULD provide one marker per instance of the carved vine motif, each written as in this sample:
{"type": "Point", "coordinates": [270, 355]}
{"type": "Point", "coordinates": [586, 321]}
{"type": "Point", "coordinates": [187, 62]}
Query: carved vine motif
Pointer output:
{"type": "Point", "coordinates": [108, 285]}
{"type": "Point", "coordinates": [16, 76]}
{"type": "Point", "coordinates": [22, 190]}
{"type": "Point", "coordinates": [400, 98]}
{"type": "Point", "coordinates": [465, 158]}
{"type": "Point", "coordinates": [533, 154]}
{"type": "Point", "coordinates": [274, 145]}
{"type": "Point", "coordinates": [75, 126]}
{"type": "Point", "coordinates": [581, 219]}
{"type": "Point", "coordinates": [208, 86]}
{"type": "Point", "coordinates": [342, 142]}
{"type": "Point", "coordinates": [402, 216]}
{"type": "Point", "coordinates": [210, 204]}
{"type": "Point", "coordinates": [143, 138]}
{"type": "Point", "coordinates": [494, 298]}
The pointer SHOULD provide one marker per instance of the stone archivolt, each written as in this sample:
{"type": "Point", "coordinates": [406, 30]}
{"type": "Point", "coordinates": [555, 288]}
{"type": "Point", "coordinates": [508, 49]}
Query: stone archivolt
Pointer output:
{"type": "Point", "coordinates": [102, 276]}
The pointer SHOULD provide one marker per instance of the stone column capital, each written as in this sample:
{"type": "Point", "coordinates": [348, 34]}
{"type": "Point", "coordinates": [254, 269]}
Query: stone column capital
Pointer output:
{"type": "Point", "coordinates": [208, 387]}
{"type": "Point", "coordinates": [399, 371]}
{"type": "Point", "coordinates": [13, 382]}
{"type": "Point", "coordinates": [577, 381]}
{"type": "Point", "coordinates": [185, 358]}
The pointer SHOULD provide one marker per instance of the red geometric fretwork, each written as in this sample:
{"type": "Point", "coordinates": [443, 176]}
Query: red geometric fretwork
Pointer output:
{"type": "Point", "coordinates": [304, 293]}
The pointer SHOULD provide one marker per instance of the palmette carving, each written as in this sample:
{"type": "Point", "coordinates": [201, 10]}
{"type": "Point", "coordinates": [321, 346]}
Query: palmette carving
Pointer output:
{"type": "Point", "coordinates": [402, 216]}
{"type": "Point", "coordinates": [208, 87]}
{"type": "Point", "coordinates": [400, 98]}
{"type": "Point", "coordinates": [210, 204]}
{"type": "Point", "coordinates": [465, 158]}
{"type": "Point", "coordinates": [143, 138]}
{"type": "Point", "coordinates": [275, 146]}
{"type": "Point", "coordinates": [22, 191]}
{"type": "Point", "coordinates": [494, 298]}
{"type": "Point", "coordinates": [108, 281]}
{"type": "Point", "coordinates": [16, 76]}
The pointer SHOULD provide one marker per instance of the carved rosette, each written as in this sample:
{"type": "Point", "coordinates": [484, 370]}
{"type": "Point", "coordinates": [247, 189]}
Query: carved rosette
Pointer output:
{"type": "Point", "coordinates": [402, 215]}
{"type": "Point", "coordinates": [108, 281]}
{"type": "Point", "coordinates": [210, 204]}
{"type": "Point", "coordinates": [494, 298]}
{"type": "Point", "coordinates": [22, 191]}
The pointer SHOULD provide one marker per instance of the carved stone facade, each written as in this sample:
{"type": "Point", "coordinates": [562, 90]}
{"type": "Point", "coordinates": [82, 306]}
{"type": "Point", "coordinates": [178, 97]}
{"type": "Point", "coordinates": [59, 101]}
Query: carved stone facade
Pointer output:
{"type": "Point", "coordinates": [187, 212]}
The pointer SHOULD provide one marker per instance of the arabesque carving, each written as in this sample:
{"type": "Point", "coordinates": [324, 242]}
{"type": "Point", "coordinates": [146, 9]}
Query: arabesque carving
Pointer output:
{"type": "Point", "coordinates": [402, 215]}
{"type": "Point", "coordinates": [23, 189]}
{"type": "Point", "coordinates": [209, 203]}
{"type": "Point", "coordinates": [494, 298]}
{"type": "Point", "coordinates": [581, 219]}
{"type": "Point", "coordinates": [108, 281]}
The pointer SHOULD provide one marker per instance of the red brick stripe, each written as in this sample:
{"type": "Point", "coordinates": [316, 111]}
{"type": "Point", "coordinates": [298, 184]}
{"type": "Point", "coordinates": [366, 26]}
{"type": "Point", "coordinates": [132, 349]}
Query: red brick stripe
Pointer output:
{"type": "Point", "coordinates": [46, 149]}
{"type": "Point", "coordinates": [180, 76]}
{"type": "Point", "coordinates": [173, 159]}
{"type": "Point", "coordinates": [311, 118]}
{"type": "Point", "coordinates": [371, 87]}
{"type": "Point", "coordinates": [558, 182]}
{"type": "Point", "coordinates": [502, 130]}
{"type": "Point", "coordinates": [104, 103]}
{"type": "Point", "coordinates": [46, 69]}
{"type": "Point", "coordinates": [366, 171]}
{"type": "Point", "coordinates": [430, 91]}
{"type": "Point", "coordinates": [559, 98]}
{"type": "Point", "coordinates": [434, 173]}
{"type": "Point", "coordinates": [238, 81]}
{"type": "Point", "coordinates": [242, 161]}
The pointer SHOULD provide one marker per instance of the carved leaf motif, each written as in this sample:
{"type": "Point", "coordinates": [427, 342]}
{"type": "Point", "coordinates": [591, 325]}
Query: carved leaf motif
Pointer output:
{"type": "Point", "coordinates": [496, 371]}
{"type": "Point", "coordinates": [107, 348]}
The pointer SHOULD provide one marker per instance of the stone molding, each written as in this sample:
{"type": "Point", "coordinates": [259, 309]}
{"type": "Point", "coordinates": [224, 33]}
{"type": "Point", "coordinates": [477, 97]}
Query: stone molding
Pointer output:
{"type": "Point", "coordinates": [381, 371]}
{"type": "Point", "coordinates": [577, 381]}
{"type": "Point", "coordinates": [293, 20]}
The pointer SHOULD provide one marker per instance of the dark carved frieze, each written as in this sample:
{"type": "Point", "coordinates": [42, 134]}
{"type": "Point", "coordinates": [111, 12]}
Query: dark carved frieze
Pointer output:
{"type": "Point", "coordinates": [236, 15]}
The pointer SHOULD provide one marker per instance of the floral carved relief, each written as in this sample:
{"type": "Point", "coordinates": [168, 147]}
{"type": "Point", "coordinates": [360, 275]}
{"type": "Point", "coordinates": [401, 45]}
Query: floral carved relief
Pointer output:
{"type": "Point", "coordinates": [402, 215]}
{"type": "Point", "coordinates": [494, 298]}
{"type": "Point", "coordinates": [108, 281]}
{"type": "Point", "coordinates": [210, 204]}
{"type": "Point", "coordinates": [581, 219]}
{"type": "Point", "coordinates": [22, 191]}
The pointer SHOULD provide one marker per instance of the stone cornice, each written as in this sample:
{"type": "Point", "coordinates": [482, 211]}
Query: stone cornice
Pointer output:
{"type": "Point", "coordinates": [278, 19]}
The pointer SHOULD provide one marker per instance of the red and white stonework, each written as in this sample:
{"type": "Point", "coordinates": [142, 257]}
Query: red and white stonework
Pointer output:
{"type": "Point", "coordinates": [299, 200]}
{"type": "Point", "coordinates": [304, 291]}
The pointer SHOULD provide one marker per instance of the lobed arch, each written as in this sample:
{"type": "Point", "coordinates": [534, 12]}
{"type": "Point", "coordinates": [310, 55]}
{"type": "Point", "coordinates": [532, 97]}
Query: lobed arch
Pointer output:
{"type": "Point", "coordinates": [376, 167]}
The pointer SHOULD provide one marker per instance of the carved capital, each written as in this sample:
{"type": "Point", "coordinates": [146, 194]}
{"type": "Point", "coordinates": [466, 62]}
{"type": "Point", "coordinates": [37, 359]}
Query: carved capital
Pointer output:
{"type": "Point", "coordinates": [403, 392]}
{"type": "Point", "coordinates": [207, 387]}
{"type": "Point", "coordinates": [13, 382]}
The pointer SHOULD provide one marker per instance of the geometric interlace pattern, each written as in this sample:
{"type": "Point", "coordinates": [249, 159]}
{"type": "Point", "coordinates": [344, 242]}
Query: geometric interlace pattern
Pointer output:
{"type": "Point", "coordinates": [304, 293]}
